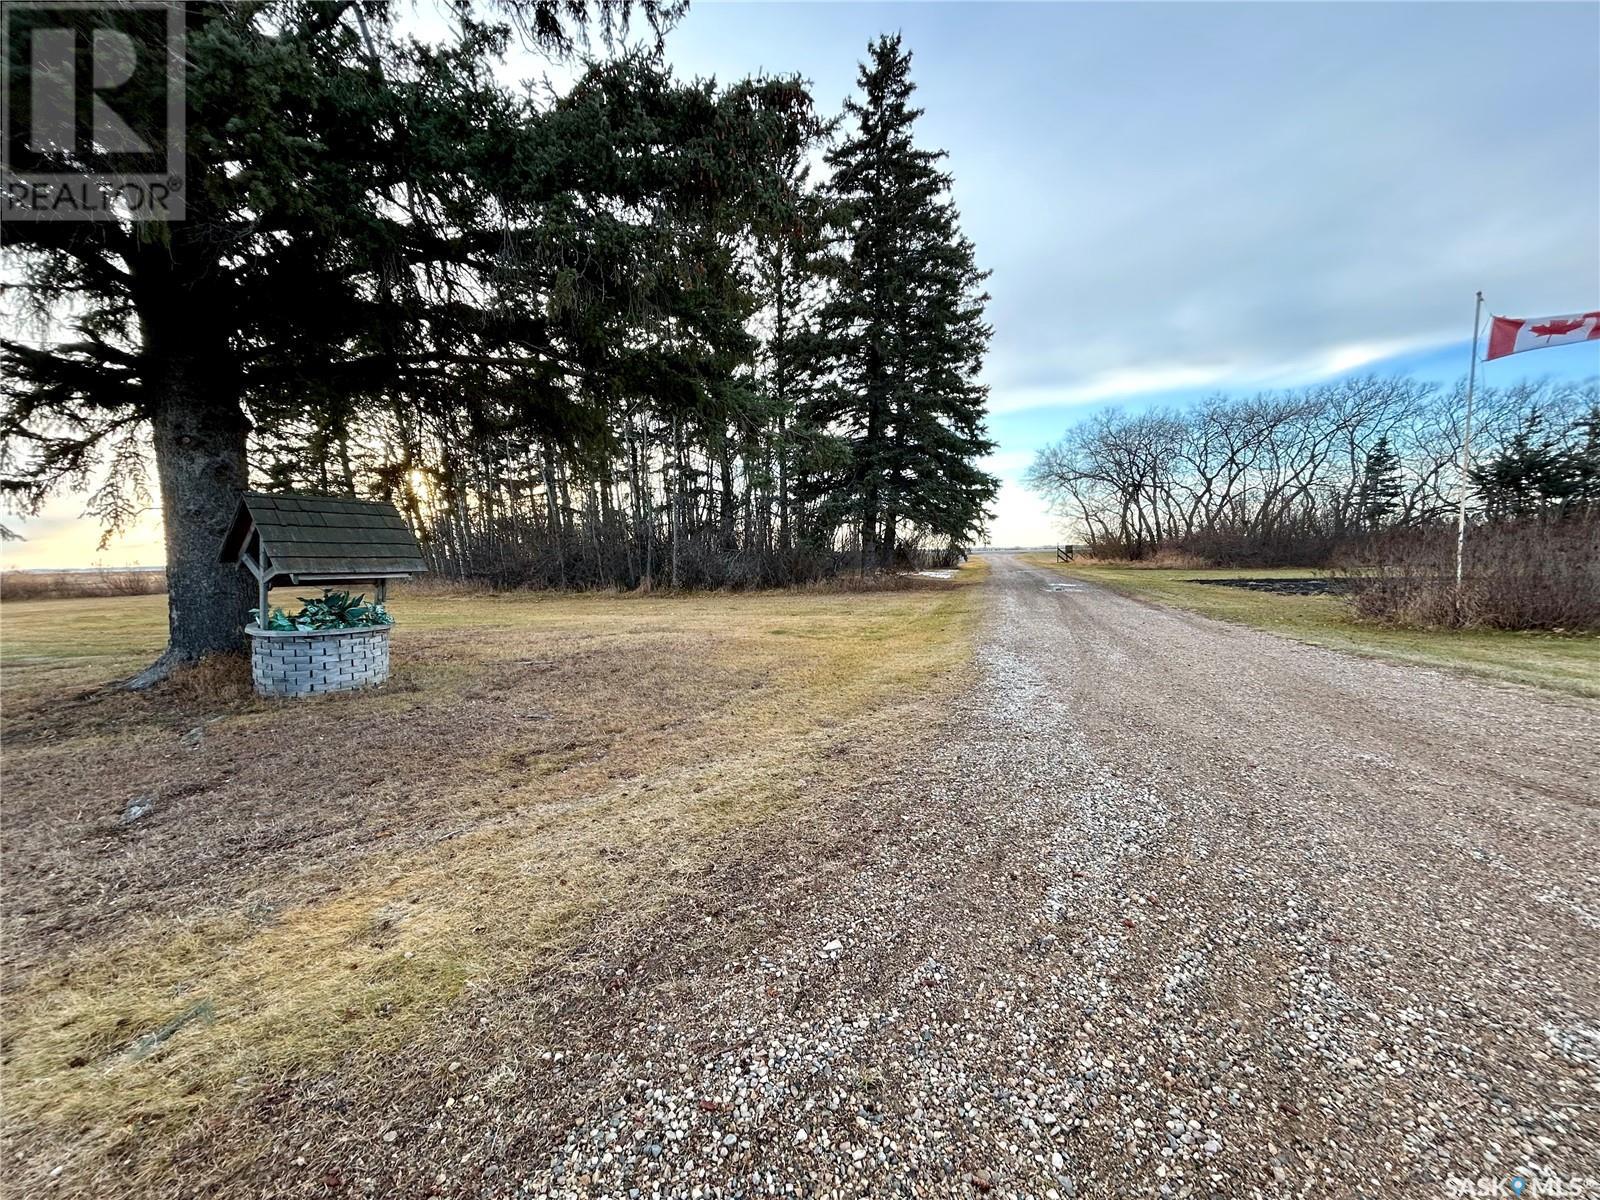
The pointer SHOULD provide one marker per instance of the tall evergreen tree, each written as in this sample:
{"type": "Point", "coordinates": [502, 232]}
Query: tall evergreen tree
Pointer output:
{"type": "Point", "coordinates": [327, 183]}
{"type": "Point", "coordinates": [1381, 485]}
{"type": "Point", "coordinates": [787, 247]}
{"type": "Point", "coordinates": [902, 336]}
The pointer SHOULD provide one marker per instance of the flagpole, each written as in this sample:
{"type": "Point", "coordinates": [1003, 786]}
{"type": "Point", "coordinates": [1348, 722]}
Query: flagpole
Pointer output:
{"type": "Point", "coordinates": [1466, 451]}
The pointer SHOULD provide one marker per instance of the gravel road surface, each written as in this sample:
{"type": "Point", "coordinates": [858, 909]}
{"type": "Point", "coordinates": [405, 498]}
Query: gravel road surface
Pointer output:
{"type": "Point", "coordinates": [1173, 908]}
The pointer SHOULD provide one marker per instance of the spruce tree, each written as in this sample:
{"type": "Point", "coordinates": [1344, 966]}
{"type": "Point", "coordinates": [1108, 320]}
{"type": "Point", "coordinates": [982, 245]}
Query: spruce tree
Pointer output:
{"type": "Point", "coordinates": [1531, 475]}
{"type": "Point", "coordinates": [788, 246]}
{"type": "Point", "coordinates": [1381, 485]}
{"type": "Point", "coordinates": [1585, 458]}
{"type": "Point", "coordinates": [902, 337]}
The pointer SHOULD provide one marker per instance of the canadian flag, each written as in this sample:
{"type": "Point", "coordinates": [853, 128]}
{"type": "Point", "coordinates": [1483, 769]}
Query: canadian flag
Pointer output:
{"type": "Point", "coordinates": [1513, 335]}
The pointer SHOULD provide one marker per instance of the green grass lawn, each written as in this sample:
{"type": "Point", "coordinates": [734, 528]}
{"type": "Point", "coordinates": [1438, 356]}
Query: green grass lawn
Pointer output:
{"type": "Point", "coordinates": [1563, 663]}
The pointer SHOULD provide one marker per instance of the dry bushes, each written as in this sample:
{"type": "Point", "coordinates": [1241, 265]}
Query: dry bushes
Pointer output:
{"type": "Point", "coordinates": [614, 559]}
{"type": "Point", "coordinates": [1226, 544]}
{"type": "Point", "coordinates": [703, 563]}
{"type": "Point", "coordinates": [80, 585]}
{"type": "Point", "coordinates": [870, 581]}
{"type": "Point", "coordinates": [1296, 544]}
{"type": "Point", "coordinates": [1537, 573]}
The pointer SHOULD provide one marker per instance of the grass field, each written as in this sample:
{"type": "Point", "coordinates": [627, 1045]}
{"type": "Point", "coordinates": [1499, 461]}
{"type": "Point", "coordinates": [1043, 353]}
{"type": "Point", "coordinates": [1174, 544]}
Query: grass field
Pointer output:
{"type": "Point", "coordinates": [1562, 663]}
{"type": "Point", "coordinates": [321, 880]}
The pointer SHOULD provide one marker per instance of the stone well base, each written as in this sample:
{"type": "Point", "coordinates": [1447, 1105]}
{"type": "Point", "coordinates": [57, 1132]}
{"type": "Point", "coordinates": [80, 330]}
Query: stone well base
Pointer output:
{"type": "Point", "coordinates": [300, 663]}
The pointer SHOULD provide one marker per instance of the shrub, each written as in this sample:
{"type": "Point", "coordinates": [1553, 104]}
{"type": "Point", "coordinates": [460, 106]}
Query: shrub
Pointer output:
{"type": "Point", "coordinates": [1534, 573]}
{"type": "Point", "coordinates": [704, 563]}
{"type": "Point", "coordinates": [1224, 545]}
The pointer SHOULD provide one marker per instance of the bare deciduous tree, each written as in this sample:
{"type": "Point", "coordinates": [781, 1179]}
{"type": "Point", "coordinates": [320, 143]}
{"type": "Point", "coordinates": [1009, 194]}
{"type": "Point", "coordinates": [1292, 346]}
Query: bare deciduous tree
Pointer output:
{"type": "Point", "coordinates": [1278, 477]}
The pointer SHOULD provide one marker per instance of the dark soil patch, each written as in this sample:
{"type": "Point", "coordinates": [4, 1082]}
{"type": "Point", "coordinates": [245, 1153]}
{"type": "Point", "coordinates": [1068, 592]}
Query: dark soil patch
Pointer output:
{"type": "Point", "coordinates": [1310, 586]}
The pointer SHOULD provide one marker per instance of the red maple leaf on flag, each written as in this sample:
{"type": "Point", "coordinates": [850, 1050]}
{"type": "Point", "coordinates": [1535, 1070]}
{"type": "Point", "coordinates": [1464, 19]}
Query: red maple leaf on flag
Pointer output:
{"type": "Point", "coordinates": [1556, 328]}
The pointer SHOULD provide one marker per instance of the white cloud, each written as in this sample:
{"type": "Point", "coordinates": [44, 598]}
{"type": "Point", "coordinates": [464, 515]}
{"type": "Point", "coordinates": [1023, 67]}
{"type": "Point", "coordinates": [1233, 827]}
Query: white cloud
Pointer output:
{"type": "Point", "coordinates": [1132, 382]}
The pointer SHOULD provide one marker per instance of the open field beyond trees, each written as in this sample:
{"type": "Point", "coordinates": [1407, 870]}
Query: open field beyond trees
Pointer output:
{"type": "Point", "coordinates": [80, 585]}
{"type": "Point", "coordinates": [1562, 662]}
{"type": "Point", "coordinates": [318, 883]}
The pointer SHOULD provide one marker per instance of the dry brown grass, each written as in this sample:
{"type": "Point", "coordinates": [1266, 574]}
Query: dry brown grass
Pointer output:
{"type": "Point", "coordinates": [77, 585]}
{"type": "Point", "coordinates": [1162, 560]}
{"type": "Point", "coordinates": [324, 880]}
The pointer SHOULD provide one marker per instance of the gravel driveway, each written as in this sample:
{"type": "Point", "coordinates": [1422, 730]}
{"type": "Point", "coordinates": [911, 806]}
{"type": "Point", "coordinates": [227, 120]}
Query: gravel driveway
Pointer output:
{"type": "Point", "coordinates": [1173, 908]}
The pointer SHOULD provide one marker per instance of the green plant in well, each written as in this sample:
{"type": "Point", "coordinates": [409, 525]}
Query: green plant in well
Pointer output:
{"type": "Point", "coordinates": [339, 610]}
{"type": "Point", "coordinates": [276, 621]}
{"type": "Point", "coordinates": [331, 610]}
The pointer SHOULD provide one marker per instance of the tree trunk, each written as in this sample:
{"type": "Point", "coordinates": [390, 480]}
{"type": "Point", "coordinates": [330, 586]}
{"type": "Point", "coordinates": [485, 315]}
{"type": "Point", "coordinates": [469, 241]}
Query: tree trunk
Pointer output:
{"type": "Point", "coordinates": [783, 487]}
{"type": "Point", "coordinates": [346, 474]}
{"type": "Point", "coordinates": [677, 499]}
{"type": "Point", "coordinates": [869, 511]}
{"type": "Point", "coordinates": [647, 497]}
{"type": "Point", "coordinates": [727, 512]}
{"type": "Point", "coordinates": [552, 505]}
{"type": "Point", "coordinates": [200, 461]}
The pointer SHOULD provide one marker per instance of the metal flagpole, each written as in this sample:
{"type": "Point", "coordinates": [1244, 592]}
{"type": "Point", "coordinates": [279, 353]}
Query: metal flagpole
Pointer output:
{"type": "Point", "coordinates": [1466, 450]}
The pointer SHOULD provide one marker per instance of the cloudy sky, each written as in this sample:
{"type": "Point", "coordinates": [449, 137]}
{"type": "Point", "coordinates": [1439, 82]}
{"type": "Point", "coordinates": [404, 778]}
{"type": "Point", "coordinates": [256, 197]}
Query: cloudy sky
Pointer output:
{"type": "Point", "coordinates": [1181, 198]}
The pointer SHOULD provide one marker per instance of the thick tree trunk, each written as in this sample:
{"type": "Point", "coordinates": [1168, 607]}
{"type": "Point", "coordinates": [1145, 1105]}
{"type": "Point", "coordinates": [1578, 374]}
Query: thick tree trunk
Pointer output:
{"type": "Point", "coordinates": [873, 458]}
{"type": "Point", "coordinates": [200, 461]}
{"type": "Point", "coordinates": [646, 492]}
{"type": "Point", "coordinates": [869, 519]}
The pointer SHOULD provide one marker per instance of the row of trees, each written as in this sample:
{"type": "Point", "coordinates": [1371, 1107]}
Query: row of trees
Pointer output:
{"type": "Point", "coordinates": [1288, 477]}
{"type": "Point", "coordinates": [617, 336]}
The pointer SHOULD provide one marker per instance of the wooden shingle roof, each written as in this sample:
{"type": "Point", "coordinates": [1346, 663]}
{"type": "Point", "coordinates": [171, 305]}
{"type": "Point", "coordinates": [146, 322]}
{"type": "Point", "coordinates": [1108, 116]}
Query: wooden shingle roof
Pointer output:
{"type": "Point", "coordinates": [307, 539]}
